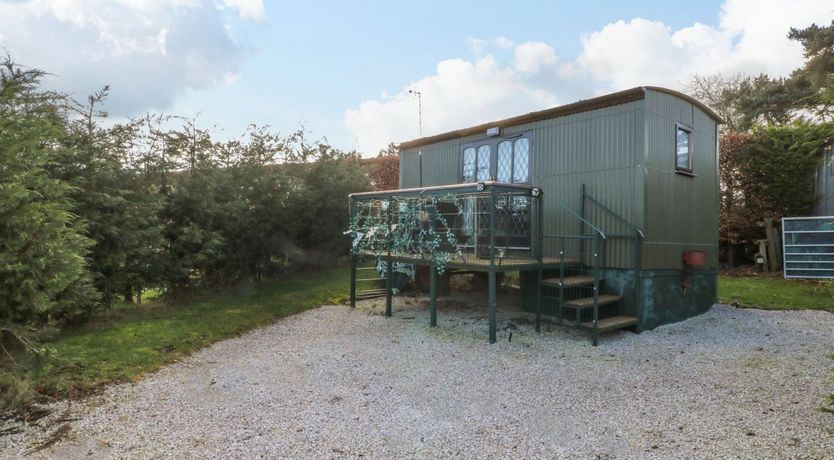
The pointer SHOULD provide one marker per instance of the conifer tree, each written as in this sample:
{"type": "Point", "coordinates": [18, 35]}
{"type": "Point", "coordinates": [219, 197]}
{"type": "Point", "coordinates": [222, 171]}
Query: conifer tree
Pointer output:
{"type": "Point", "coordinates": [42, 248]}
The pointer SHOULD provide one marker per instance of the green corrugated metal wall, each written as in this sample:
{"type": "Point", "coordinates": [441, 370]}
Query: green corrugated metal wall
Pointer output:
{"type": "Point", "coordinates": [683, 210]}
{"type": "Point", "coordinates": [625, 156]}
{"type": "Point", "coordinates": [597, 148]}
{"type": "Point", "coordinates": [440, 165]}
{"type": "Point", "coordinates": [409, 169]}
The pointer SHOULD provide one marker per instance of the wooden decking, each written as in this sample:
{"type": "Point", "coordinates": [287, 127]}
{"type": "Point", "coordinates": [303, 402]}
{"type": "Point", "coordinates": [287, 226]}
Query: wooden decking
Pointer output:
{"type": "Point", "coordinates": [472, 262]}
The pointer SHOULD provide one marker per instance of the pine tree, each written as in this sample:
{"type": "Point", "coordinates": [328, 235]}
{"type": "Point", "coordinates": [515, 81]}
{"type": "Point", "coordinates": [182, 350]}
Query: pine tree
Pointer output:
{"type": "Point", "coordinates": [816, 77]}
{"type": "Point", "coordinates": [42, 248]}
{"type": "Point", "coordinates": [119, 216]}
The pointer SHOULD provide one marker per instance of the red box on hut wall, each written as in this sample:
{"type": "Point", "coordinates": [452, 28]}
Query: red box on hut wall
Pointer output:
{"type": "Point", "coordinates": [695, 259]}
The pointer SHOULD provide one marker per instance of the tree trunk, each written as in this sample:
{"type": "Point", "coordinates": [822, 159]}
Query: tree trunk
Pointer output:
{"type": "Point", "coordinates": [731, 255]}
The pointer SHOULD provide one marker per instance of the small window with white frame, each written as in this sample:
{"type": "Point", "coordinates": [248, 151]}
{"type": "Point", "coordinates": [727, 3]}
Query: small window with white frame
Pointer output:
{"type": "Point", "coordinates": [683, 148]}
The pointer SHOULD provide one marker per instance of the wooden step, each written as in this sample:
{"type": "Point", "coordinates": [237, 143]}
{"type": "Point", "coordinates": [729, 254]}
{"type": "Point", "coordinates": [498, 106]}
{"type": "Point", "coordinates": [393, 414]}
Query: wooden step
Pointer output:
{"type": "Point", "coordinates": [369, 294]}
{"type": "Point", "coordinates": [588, 302]}
{"type": "Point", "coordinates": [567, 261]}
{"type": "Point", "coordinates": [612, 323]}
{"type": "Point", "coordinates": [570, 281]}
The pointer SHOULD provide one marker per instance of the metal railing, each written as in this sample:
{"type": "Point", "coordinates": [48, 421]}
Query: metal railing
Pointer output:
{"type": "Point", "coordinates": [635, 234]}
{"type": "Point", "coordinates": [478, 224]}
{"type": "Point", "coordinates": [582, 258]}
{"type": "Point", "coordinates": [572, 259]}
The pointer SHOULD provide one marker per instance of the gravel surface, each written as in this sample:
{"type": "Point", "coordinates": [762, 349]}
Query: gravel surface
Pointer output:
{"type": "Point", "coordinates": [336, 382]}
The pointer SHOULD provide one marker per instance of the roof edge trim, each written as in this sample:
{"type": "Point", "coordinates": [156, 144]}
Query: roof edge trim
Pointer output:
{"type": "Point", "coordinates": [620, 97]}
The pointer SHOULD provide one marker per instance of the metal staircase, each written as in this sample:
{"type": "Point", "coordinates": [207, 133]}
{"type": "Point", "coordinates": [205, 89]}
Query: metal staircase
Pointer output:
{"type": "Point", "coordinates": [578, 290]}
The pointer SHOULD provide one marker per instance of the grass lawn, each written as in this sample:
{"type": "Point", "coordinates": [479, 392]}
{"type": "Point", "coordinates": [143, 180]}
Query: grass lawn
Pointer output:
{"type": "Point", "coordinates": [774, 293]}
{"type": "Point", "coordinates": [134, 340]}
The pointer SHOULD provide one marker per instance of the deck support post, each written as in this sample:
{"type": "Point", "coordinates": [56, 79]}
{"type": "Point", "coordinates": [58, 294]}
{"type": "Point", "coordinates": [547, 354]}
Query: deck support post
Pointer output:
{"type": "Point", "coordinates": [562, 278]}
{"type": "Point", "coordinates": [492, 321]}
{"type": "Point", "coordinates": [352, 260]}
{"type": "Point", "coordinates": [389, 291]}
{"type": "Point", "coordinates": [352, 281]}
{"type": "Point", "coordinates": [539, 299]}
{"type": "Point", "coordinates": [582, 223]}
{"type": "Point", "coordinates": [540, 253]}
{"type": "Point", "coordinates": [492, 307]}
{"type": "Point", "coordinates": [389, 267]}
{"type": "Point", "coordinates": [433, 294]}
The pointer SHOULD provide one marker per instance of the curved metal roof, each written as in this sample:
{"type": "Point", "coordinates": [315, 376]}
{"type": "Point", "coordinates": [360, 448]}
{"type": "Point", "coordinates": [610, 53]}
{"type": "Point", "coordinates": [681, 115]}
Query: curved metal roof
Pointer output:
{"type": "Point", "coordinates": [620, 97]}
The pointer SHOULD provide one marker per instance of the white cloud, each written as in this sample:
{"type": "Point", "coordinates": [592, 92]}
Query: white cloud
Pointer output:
{"type": "Point", "coordinates": [148, 51]}
{"type": "Point", "coordinates": [476, 45]}
{"type": "Point", "coordinates": [504, 43]}
{"type": "Point", "coordinates": [248, 9]}
{"type": "Point", "coordinates": [531, 57]}
{"type": "Point", "coordinates": [762, 28]}
{"type": "Point", "coordinates": [459, 94]}
{"type": "Point", "coordinates": [632, 53]}
{"type": "Point", "coordinates": [751, 38]}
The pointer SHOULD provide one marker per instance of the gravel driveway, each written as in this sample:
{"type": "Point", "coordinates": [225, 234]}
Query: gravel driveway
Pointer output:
{"type": "Point", "coordinates": [335, 382]}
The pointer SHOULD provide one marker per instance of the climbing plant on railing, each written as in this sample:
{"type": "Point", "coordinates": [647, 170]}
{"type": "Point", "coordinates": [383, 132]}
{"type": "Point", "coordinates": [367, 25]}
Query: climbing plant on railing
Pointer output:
{"type": "Point", "coordinates": [411, 226]}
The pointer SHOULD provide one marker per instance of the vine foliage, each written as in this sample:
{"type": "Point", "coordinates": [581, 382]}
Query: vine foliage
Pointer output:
{"type": "Point", "coordinates": [411, 226]}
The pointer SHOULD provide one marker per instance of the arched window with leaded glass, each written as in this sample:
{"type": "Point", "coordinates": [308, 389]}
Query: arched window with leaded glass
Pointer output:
{"type": "Point", "coordinates": [505, 160]}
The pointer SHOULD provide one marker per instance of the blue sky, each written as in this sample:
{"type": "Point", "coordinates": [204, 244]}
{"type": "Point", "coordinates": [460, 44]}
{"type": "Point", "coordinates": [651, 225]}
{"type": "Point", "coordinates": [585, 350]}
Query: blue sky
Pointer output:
{"type": "Point", "coordinates": [313, 60]}
{"type": "Point", "coordinates": [342, 69]}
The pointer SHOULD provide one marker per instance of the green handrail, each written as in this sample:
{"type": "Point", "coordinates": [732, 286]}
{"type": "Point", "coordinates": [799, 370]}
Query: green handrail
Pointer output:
{"type": "Point", "coordinates": [571, 211]}
{"type": "Point", "coordinates": [597, 251]}
{"type": "Point", "coordinates": [637, 229]}
{"type": "Point", "coordinates": [638, 242]}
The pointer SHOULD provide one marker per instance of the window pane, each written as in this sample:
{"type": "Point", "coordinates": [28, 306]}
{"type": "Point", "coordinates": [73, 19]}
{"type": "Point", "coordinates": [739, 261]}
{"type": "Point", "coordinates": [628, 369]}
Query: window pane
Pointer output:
{"type": "Point", "coordinates": [521, 165]}
{"type": "Point", "coordinates": [469, 165]}
{"type": "Point", "coordinates": [682, 152]}
{"type": "Point", "coordinates": [468, 218]}
{"type": "Point", "coordinates": [483, 163]}
{"type": "Point", "coordinates": [505, 161]}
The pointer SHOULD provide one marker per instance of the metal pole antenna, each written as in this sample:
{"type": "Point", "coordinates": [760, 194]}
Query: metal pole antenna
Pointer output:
{"type": "Point", "coordinates": [419, 108]}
